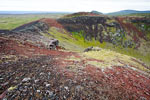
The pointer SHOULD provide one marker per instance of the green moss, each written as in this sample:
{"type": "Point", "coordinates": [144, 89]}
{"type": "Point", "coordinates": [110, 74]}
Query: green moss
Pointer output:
{"type": "Point", "coordinates": [111, 58]}
{"type": "Point", "coordinates": [74, 41]}
{"type": "Point", "coordinates": [130, 52]}
{"type": "Point", "coordinates": [110, 20]}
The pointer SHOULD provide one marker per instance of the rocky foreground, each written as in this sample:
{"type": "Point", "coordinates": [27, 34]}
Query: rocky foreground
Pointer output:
{"type": "Point", "coordinates": [31, 73]}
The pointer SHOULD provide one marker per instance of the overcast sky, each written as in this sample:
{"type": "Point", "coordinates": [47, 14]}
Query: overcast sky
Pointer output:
{"type": "Point", "coordinates": [73, 5]}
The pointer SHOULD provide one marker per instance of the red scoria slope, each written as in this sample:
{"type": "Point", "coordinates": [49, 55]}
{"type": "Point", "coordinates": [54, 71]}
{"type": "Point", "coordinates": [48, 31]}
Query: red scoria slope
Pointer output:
{"type": "Point", "coordinates": [12, 46]}
{"type": "Point", "coordinates": [39, 77]}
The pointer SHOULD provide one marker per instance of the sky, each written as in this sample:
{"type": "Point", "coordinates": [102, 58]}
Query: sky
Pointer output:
{"type": "Point", "coordinates": [103, 6]}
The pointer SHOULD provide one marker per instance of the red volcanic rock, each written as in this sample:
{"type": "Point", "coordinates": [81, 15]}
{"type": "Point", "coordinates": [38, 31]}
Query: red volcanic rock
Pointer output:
{"type": "Point", "coordinates": [130, 28]}
{"type": "Point", "coordinates": [51, 22]}
{"type": "Point", "coordinates": [10, 46]}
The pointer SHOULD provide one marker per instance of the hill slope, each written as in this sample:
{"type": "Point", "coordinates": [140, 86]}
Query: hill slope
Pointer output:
{"type": "Point", "coordinates": [67, 75]}
{"type": "Point", "coordinates": [34, 71]}
{"type": "Point", "coordinates": [126, 12]}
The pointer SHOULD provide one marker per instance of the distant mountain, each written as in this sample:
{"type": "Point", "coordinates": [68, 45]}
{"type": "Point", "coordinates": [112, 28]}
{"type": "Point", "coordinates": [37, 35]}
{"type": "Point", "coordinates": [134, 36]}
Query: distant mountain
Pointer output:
{"type": "Point", "coordinates": [96, 12]}
{"type": "Point", "coordinates": [126, 12]}
{"type": "Point", "coordinates": [30, 12]}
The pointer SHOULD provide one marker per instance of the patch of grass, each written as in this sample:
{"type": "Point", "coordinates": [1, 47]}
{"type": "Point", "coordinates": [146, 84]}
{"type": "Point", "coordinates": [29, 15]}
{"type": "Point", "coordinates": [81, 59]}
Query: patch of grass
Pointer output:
{"type": "Point", "coordinates": [12, 21]}
{"type": "Point", "coordinates": [130, 52]}
{"type": "Point", "coordinates": [84, 43]}
{"type": "Point", "coordinates": [73, 42]}
{"type": "Point", "coordinates": [112, 58]}
{"type": "Point", "coordinates": [65, 40]}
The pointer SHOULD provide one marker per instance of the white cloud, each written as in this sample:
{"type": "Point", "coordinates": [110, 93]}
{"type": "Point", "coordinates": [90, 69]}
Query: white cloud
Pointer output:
{"type": "Point", "coordinates": [74, 5]}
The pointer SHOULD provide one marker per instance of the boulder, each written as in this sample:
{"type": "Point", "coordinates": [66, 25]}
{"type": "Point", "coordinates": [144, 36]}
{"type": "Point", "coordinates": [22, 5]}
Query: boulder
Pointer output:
{"type": "Point", "coordinates": [96, 49]}
{"type": "Point", "coordinates": [53, 44]}
{"type": "Point", "coordinates": [88, 49]}
{"type": "Point", "coordinates": [92, 49]}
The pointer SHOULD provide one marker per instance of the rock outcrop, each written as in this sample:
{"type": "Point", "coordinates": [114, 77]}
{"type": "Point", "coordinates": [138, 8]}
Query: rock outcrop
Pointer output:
{"type": "Point", "coordinates": [123, 31]}
{"type": "Point", "coordinates": [92, 49]}
{"type": "Point", "coordinates": [53, 44]}
{"type": "Point", "coordinates": [92, 25]}
{"type": "Point", "coordinates": [33, 27]}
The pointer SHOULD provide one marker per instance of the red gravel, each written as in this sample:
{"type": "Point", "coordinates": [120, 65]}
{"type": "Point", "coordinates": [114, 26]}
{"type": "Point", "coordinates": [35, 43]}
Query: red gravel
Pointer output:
{"type": "Point", "coordinates": [51, 22]}
{"type": "Point", "coordinates": [117, 83]}
{"type": "Point", "coordinates": [9, 46]}
{"type": "Point", "coordinates": [123, 80]}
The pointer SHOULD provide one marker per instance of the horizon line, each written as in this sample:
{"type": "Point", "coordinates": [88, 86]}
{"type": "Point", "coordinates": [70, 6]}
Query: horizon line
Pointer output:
{"type": "Point", "coordinates": [64, 11]}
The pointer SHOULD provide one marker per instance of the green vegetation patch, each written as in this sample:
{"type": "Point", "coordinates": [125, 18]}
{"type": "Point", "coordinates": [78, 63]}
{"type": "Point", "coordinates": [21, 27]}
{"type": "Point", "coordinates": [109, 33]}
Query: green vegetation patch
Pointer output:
{"type": "Point", "coordinates": [73, 41]}
{"type": "Point", "coordinates": [130, 52]}
{"type": "Point", "coordinates": [112, 58]}
{"type": "Point", "coordinates": [12, 21]}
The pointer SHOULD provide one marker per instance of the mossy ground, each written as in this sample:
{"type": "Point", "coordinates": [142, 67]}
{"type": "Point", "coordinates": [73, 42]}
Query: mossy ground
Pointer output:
{"type": "Point", "coordinates": [104, 59]}
{"type": "Point", "coordinates": [71, 41]}
{"type": "Point", "coordinates": [112, 58]}
{"type": "Point", "coordinates": [75, 42]}
{"type": "Point", "coordinates": [131, 52]}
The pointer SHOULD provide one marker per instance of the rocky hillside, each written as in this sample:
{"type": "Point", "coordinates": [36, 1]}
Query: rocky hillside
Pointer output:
{"type": "Point", "coordinates": [118, 30]}
{"type": "Point", "coordinates": [70, 70]}
{"type": "Point", "coordinates": [121, 32]}
{"type": "Point", "coordinates": [130, 34]}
